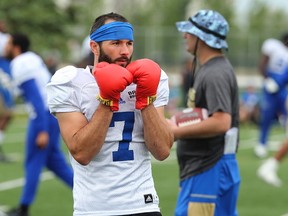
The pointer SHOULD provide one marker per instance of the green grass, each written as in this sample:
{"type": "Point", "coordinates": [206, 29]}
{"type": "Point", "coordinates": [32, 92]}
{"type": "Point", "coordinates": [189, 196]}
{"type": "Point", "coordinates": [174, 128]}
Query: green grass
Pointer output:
{"type": "Point", "coordinates": [55, 199]}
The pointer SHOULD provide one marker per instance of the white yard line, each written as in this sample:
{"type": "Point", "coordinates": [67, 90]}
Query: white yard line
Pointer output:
{"type": "Point", "coordinates": [8, 185]}
{"type": "Point", "coordinates": [273, 145]}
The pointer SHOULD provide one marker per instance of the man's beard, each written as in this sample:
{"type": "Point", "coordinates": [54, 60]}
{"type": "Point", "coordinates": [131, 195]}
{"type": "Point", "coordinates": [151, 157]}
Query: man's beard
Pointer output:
{"type": "Point", "coordinates": [104, 57]}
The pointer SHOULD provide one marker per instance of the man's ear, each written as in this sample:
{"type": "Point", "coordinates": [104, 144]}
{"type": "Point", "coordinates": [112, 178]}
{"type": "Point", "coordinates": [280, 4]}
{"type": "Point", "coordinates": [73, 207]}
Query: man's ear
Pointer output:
{"type": "Point", "coordinates": [95, 48]}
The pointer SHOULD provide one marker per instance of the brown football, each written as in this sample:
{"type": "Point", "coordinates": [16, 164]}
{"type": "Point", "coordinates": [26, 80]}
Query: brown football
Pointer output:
{"type": "Point", "coordinates": [190, 116]}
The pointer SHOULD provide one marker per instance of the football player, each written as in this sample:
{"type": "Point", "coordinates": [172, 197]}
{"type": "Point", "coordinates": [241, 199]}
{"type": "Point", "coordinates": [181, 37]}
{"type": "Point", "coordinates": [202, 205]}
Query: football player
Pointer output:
{"type": "Point", "coordinates": [43, 149]}
{"type": "Point", "coordinates": [272, 65]}
{"type": "Point", "coordinates": [111, 116]}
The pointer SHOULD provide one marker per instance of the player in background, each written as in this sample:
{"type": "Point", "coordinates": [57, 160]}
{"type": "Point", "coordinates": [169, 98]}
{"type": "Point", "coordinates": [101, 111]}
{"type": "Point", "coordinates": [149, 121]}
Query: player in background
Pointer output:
{"type": "Point", "coordinates": [43, 147]}
{"type": "Point", "coordinates": [111, 138]}
{"type": "Point", "coordinates": [206, 151]}
{"type": "Point", "coordinates": [268, 171]}
{"type": "Point", "coordinates": [6, 103]}
{"type": "Point", "coordinates": [6, 91]}
{"type": "Point", "coordinates": [272, 65]}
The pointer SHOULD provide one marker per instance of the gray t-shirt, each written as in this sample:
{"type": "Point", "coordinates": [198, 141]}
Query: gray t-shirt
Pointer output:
{"type": "Point", "coordinates": [217, 91]}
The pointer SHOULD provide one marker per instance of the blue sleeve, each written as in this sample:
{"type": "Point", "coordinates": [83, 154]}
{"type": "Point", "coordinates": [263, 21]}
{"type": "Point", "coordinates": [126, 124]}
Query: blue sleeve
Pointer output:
{"type": "Point", "coordinates": [32, 95]}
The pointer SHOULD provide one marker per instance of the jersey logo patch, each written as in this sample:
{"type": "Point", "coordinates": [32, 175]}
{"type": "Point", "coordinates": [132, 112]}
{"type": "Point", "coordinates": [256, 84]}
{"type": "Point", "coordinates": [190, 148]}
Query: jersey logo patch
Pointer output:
{"type": "Point", "coordinates": [132, 94]}
{"type": "Point", "coordinates": [148, 198]}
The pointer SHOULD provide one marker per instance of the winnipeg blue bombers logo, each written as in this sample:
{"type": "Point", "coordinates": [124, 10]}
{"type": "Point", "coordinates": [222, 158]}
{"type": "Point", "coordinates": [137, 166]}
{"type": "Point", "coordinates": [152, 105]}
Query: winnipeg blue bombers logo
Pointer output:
{"type": "Point", "coordinates": [132, 94]}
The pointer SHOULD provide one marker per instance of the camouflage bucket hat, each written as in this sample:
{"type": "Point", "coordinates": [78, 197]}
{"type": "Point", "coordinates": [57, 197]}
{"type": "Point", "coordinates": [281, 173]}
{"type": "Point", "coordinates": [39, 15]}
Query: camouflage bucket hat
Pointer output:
{"type": "Point", "coordinates": [208, 25]}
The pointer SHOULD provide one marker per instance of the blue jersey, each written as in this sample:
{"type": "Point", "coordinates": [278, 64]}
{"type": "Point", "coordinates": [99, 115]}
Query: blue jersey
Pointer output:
{"type": "Point", "coordinates": [273, 103]}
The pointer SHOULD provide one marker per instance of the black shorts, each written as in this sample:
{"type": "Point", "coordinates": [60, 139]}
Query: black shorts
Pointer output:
{"type": "Point", "coordinates": [146, 214]}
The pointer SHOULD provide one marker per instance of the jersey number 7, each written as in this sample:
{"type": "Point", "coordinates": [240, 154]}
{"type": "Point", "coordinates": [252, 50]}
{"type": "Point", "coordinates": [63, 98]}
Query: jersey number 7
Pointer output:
{"type": "Point", "coordinates": [123, 153]}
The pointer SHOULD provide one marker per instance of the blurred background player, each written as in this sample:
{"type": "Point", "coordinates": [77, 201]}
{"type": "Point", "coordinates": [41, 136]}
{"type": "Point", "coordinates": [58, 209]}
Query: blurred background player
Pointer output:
{"type": "Point", "coordinates": [273, 63]}
{"type": "Point", "coordinates": [43, 149]}
{"type": "Point", "coordinates": [268, 171]}
{"type": "Point", "coordinates": [6, 102]}
{"type": "Point", "coordinates": [6, 88]}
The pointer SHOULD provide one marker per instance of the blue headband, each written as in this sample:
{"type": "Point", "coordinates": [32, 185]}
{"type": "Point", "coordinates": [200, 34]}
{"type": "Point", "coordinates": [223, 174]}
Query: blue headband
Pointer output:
{"type": "Point", "coordinates": [113, 31]}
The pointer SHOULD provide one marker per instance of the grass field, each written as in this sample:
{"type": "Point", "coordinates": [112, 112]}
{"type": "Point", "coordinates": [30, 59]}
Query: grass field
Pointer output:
{"type": "Point", "coordinates": [55, 199]}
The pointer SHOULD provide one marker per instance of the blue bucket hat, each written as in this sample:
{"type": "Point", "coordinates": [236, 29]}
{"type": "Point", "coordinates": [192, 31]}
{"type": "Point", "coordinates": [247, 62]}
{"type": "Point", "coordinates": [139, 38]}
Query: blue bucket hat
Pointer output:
{"type": "Point", "coordinates": [208, 25]}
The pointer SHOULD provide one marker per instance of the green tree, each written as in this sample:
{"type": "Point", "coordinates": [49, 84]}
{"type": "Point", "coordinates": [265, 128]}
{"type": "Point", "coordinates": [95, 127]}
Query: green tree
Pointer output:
{"type": "Point", "coordinates": [42, 21]}
{"type": "Point", "coordinates": [262, 22]}
{"type": "Point", "coordinates": [154, 23]}
{"type": "Point", "coordinates": [266, 22]}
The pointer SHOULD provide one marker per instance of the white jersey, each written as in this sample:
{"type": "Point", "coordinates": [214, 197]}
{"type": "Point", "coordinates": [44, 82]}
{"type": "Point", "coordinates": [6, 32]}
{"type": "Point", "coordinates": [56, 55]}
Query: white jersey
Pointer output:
{"type": "Point", "coordinates": [27, 66]}
{"type": "Point", "coordinates": [118, 181]}
{"type": "Point", "coordinates": [278, 55]}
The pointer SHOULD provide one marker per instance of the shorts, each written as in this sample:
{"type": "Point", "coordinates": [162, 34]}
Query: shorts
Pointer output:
{"type": "Point", "coordinates": [146, 214]}
{"type": "Point", "coordinates": [211, 193]}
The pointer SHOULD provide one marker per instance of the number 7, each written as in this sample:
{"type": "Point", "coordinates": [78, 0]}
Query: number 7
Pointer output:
{"type": "Point", "coordinates": [123, 153]}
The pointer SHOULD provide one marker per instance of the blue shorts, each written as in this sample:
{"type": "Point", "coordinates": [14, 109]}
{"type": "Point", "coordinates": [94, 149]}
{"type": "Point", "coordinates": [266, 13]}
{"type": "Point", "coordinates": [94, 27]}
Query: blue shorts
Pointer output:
{"type": "Point", "coordinates": [211, 193]}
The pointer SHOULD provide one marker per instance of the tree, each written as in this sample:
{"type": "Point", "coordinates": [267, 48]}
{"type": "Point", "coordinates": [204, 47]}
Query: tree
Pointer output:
{"type": "Point", "coordinates": [43, 22]}
{"type": "Point", "coordinates": [154, 23]}
{"type": "Point", "coordinates": [262, 22]}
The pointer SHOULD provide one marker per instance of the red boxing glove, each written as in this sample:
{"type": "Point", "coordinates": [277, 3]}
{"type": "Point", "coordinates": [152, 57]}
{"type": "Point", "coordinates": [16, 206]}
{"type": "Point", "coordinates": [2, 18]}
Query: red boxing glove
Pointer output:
{"type": "Point", "coordinates": [112, 79]}
{"type": "Point", "coordinates": [146, 74]}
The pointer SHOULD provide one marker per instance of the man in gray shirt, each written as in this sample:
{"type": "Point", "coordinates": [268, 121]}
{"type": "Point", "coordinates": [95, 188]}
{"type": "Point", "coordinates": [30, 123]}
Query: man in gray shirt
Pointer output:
{"type": "Point", "coordinates": [209, 173]}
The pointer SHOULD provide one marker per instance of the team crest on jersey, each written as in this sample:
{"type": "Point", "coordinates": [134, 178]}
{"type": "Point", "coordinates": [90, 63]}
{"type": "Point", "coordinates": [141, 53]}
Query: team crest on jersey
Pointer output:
{"type": "Point", "coordinates": [132, 94]}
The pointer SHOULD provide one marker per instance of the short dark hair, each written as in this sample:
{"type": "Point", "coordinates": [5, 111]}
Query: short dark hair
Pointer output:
{"type": "Point", "coordinates": [22, 41]}
{"type": "Point", "coordinates": [99, 21]}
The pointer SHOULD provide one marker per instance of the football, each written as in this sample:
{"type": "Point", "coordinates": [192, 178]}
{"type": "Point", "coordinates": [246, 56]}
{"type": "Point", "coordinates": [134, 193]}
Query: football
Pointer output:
{"type": "Point", "coordinates": [190, 116]}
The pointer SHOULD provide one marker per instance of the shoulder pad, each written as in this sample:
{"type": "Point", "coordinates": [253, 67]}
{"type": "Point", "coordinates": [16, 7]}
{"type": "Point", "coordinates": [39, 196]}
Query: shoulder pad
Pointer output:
{"type": "Point", "coordinates": [163, 75]}
{"type": "Point", "coordinates": [64, 74]}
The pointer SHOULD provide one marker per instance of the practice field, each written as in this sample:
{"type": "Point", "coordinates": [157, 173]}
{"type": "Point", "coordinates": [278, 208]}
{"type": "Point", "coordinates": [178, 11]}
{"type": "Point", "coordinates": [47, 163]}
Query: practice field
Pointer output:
{"type": "Point", "coordinates": [55, 199]}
